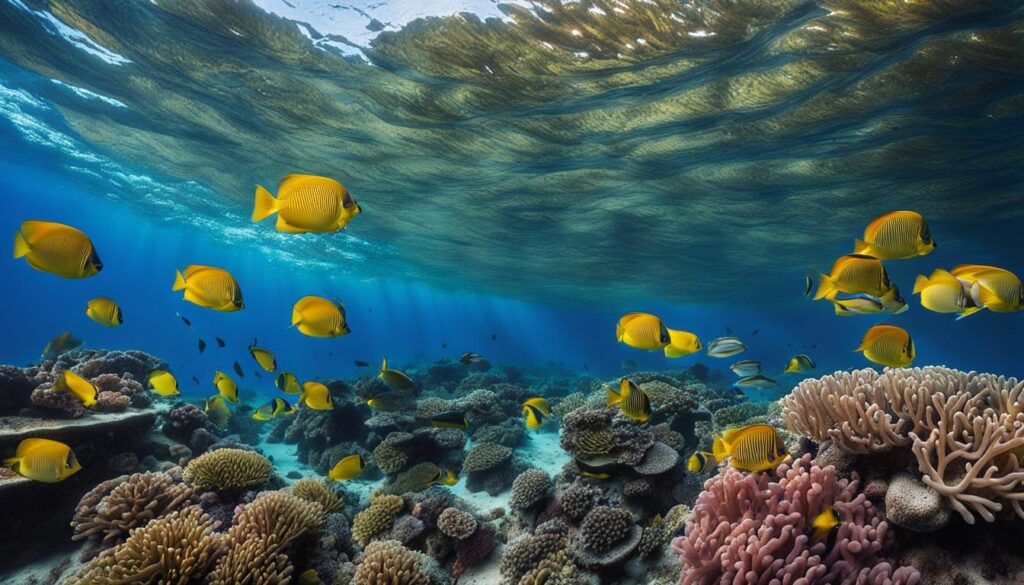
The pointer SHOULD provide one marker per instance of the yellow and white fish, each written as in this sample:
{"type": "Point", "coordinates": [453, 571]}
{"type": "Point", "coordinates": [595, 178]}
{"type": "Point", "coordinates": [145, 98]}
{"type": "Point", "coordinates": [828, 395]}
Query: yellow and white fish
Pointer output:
{"type": "Point", "coordinates": [995, 289]}
{"type": "Point", "coordinates": [942, 292]}
{"type": "Point", "coordinates": [681, 343]}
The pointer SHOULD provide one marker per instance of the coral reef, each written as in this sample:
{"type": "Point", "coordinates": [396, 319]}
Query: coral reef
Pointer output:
{"type": "Point", "coordinates": [376, 518]}
{"type": "Point", "coordinates": [314, 490]}
{"type": "Point", "coordinates": [387, 562]}
{"type": "Point", "coordinates": [228, 470]}
{"type": "Point", "coordinates": [530, 488]}
{"type": "Point", "coordinates": [607, 536]}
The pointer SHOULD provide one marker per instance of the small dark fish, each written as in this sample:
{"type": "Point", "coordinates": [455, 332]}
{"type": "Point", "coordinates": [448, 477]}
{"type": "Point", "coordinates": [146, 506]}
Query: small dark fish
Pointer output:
{"type": "Point", "coordinates": [220, 342]}
{"type": "Point", "coordinates": [808, 284]}
{"type": "Point", "coordinates": [728, 330]}
{"type": "Point", "coordinates": [494, 337]}
{"type": "Point", "coordinates": [444, 345]}
{"type": "Point", "coordinates": [754, 332]}
{"type": "Point", "coordinates": [238, 370]}
{"type": "Point", "coordinates": [361, 364]}
{"type": "Point", "coordinates": [331, 354]}
{"type": "Point", "coordinates": [586, 367]}
{"type": "Point", "coordinates": [257, 373]}
{"type": "Point", "coordinates": [202, 346]}
{"type": "Point", "coordinates": [196, 380]}
{"type": "Point", "coordinates": [185, 320]}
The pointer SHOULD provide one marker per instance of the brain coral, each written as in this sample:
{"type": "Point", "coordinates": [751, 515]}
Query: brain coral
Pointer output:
{"type": "Point", "coordinates": [178, 548]}
{"type": "Point", "coordinates": [456, 523]}
{"type": "Point", "coordinates": [314, 490]}
{"type": "Point", "coordinates": [753, 528]}
{"type": "Point", "coordinates": [228, 470]}
{"type": "Point", "coordinates": [484, 456]}
{"type": "Point", "coordinates": [376, 518]}
{"type": "Point", "coordinates": [387, 562]}
{"type": "Point", "coordinates": [528, 489]}
{"type": "Point", "coordinates": [110, 510]}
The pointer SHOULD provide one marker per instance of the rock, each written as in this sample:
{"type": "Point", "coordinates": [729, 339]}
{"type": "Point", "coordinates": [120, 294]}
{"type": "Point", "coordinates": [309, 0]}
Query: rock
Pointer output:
{"type": "Point", "coordinates": [915, 506]}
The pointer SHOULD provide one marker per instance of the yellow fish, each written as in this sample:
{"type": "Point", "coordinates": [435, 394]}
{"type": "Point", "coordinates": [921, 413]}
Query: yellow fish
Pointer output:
{"type": "Point", "coordinates": [288, 383]}
{"type": "Point", "coordinates": [395, 378]}
{"type": "Point", "coordinates": [865, 304]}
{"type": "Point", "coordinates": [272, 409]}
{"type": "Point", "coordinates": [56, 248]}
{"type": "Point", "coordinates": [642, 331]}
{"type": "Point", "coordinates": [163, 383]}
{"type": "Point", "coordinates": [888, 345]}
{"type": "Point", "coordinates": [853, 274]}
{"type": "Point", "coordinates": [752, 448]}
{"type": "Point", "coordinates": [104, 311]}
{"type": "Point", "coordinates": [445, 477]}
{"type": "Point", "coordinates": [681, 343]}
{"type": "Point", "coordinates": [896, 235]}
{"type": "Point", "coordinates": [209, 287]}
{"type": "Point", "coordinates": [316, 396]}
{"type": "Point", "coordinates": [319, 317]}
{"type": "Point", "coordinates": [348, 468]}
{"type": "Point", "coordinates": [992, 288]}
{"type": "Point", "coordinates": [595, 471]}
{"type": "Point", "coordinates": [943, 293]}
{"type": "Point", "coordinates": [77, 385]}
{"type": "Point", "coordinates": [631, 399]}
{"type": "Point", "coordinates": [306, 203]}
{"type": "Point", "coordinates": [801, 362]}
{"type": "Point", "coordinates": [824, 523]}
{"type": "Point", "coordinates": [264, 357]}
{"type": "Point", "coordinates": [60, 344]}
{"type": "Point", "coordinates": [44, 460]}
{"type": "Point", "coordinates": [226, 386]}
{"type": "Point", "coordinates": [450, 420]}
{"type": "Point", "coordinates": [533, 417]}
{"type": "Point", "coordinates": [386, 402]}
{"type": "Point", "coordinates": [701, 462]}
{"type": "Point", "coordinates": [217, 410]}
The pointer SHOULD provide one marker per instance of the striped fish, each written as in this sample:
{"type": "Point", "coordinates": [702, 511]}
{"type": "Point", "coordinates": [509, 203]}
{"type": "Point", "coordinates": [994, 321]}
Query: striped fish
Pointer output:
{"type": "Point", "coordinates": [631, 399]}
{"type": "Point", "coordinates": [896, 235]}
{"type": "Point", "coordinates": [744, 368]}
{"type": "Point", "coordinates": [888, 345]}
{"type": "Point", "coordinates": [701, 462]}
{"type": "Point", "coordinates": [752, 448]}
{"type": "Point", "coordinates": [642, 331]}
{"type": "Point", "coordinates": [306, 203]}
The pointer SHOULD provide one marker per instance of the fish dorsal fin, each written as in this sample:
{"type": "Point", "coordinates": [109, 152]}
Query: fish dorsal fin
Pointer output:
{"type": "Point", "coordinates": [943, 276]}
{"type": "Point", "coordinates": [34, 226]}
{"type": "Point", "coordinates": [296, 180]}
{"type": "Point", "coordinates": [384, 365]}
{"type": "Point", "coordinates": [27, 445]}
{"type": "Point", "coordinates": [730, 435]}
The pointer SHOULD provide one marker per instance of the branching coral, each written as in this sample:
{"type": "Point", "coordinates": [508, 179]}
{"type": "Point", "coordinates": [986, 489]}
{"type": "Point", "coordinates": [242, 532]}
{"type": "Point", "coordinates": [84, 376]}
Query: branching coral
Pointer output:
{"type": "Point", "coordinates": [387, 562]}
{"type": "Point", "coordinates": [110, 510]}
{"type": "Point", "coordinates": [228, 470]}
{"type": "Point", "coordinates": [965, 429]}
{"type": "Point", "coordinates": [178, 548]}
{"type": "Point", "coordinates": [751, 528]}
{"type": "Point", "coordinates": [314, 490]}
{"type": "Point", "coordinates": [376, 518]}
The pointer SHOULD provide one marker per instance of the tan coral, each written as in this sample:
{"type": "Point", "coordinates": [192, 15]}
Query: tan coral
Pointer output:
{"type": "Point", "coordinates": [376, 518]}
{"type": "Point", "coordinates": [228, 470]}
{"type": "Point", "coordinates": [387, 562]}
{"type": "Point", "coordinates": [315, 490]}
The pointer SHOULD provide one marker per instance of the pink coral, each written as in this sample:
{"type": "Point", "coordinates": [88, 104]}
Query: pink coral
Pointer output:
{"type": "Point", "coordinates": [112, 401]}
{"type": "Point", "coordinates": [750, 528]}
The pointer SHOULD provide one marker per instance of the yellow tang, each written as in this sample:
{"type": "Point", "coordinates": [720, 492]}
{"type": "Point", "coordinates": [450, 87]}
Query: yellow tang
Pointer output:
{"type": "Point", "coordinates": [217, 410]}
{"type": "Point", "coordinates": [264, 357]}
{"type": "Point", "coordinates": [801, 362]}
{"type": "Point", "coordinates": [44, 460]}
{"type": "Point", "coordinates": [888, 345]}
{"type": "Point", "coordinates": [104, 311]}
{"type": "Point", "coordinates": [943, 293]}
{"type": "Point", "coordinates": [993, 288]}
{"type": "Point", "coordinates": [83, 389]}
{"type": "Point", "coordinates": [853, 274]}
{"type": "Point", "coordinates": [681, 343]}
{"type": "Point", "coordinates": [163, 383]}
{"type": "Point", "coordinates": [642, 331]}
{"type": "Point", "coordinates": [226, 386]}
{"type": "Point", "coordinates": [288, 383]}
{"type": "Point", "coordinates": [752, 448]}
{"type": "Point", "coordinates": [348, 468]}
{"type": "Point", "coordinates": [316, 396]}
{"type": "Point", "coordinates": [823, 523]}
{"type": "Point", "coordinates": [209, 287]}
{"type": "Point", "coordinates": [631, 399]}
{"type": "Point", "coordinates": [56, 248]}
{"type": "Point", "coordinates": [319, 317]}
{"type": "Point", "coordinates": [395, 378]}
{"type": "Point", "coordinates": [896, 235]}
{"type": "Point", "coordinates": [306, 203]}
{"type": "Point", "coordinates": [701, 462]}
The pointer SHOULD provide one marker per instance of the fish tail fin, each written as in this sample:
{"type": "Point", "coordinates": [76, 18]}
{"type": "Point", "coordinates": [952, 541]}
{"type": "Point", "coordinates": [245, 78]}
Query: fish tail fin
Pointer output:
{"type": "Point", "coordinates": [968, 312]}
{"type": "Point", "coordinates": [825, 286]}
{"type": "Point", "coordinates": [619, 332]}
{"type": "Point", "coordinates": [860, 246]}
{"type": "Point", "coordinates": [179, 281]}
{"type": "Point", "coordinates": [11, 462]}
{"type": "Point", "coordinates": [920, 283]}
{"type": "Point", "coordinates": [20, 245]}
{"type": "Point", "coordinates": [265, 204]}
{"type": "Point", "coordinates": [613, 396]}
{"type": "Point", "coordinates": [719, 449]}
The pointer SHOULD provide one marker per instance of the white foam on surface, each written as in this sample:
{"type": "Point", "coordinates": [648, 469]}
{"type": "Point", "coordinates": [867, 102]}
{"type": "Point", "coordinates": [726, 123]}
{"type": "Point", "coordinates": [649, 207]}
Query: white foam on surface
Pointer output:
{"type": "Point", "coordinates": [72, 35]}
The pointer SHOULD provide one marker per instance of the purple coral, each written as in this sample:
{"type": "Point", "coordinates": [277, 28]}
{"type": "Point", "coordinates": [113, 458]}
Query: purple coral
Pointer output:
{"type": "Point", "coordinates": [749, 528]}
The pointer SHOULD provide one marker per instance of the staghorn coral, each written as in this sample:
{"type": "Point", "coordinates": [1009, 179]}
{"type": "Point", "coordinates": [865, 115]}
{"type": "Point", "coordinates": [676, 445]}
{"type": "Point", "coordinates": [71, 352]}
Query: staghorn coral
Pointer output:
{"type": "Point", "coordinates": [965, 429]}
{"type": "Point", "coordinates": [228, 470]}
{"type": "Point", "coordinates": [376, 518]}
{"type": "Point", "coordinates": [178, 548]}
{"type": "Point", "coordinates": [110, 510]}
{"type": "Point", "coordinates": [750, 527]}
{"type": "Point", "coordinates": [456, 523]}
{"type": "Point", "coordinates": [314, 490]}
{"type": "Point", "coordinates": [531, 487]}
{"type": "Point", "coordinates": [485, 456]}
{"type": "Point", "coordinates": [387, 562]}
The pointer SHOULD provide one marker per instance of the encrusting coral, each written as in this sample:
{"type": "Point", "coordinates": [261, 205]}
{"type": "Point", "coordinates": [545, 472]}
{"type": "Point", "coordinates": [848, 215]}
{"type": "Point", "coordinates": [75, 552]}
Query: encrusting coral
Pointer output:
{"type": "Point", "coordinates": [376, 518]}
{"type": "Point", "coordinates": [965, 429]}
{"type": "Point", "coordinates": [749, 527]}
{"type": "Point", "coordinates": [228, 470]}
{"type": "Point", "coordinates": [113, 508]}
